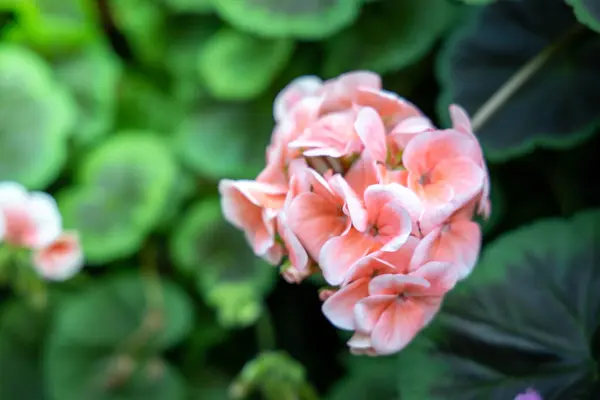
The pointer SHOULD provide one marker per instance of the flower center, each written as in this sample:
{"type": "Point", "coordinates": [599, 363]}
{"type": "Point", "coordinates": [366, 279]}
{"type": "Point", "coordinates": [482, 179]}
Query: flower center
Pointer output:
{"type": "Point", "coordinates": [425, 179]}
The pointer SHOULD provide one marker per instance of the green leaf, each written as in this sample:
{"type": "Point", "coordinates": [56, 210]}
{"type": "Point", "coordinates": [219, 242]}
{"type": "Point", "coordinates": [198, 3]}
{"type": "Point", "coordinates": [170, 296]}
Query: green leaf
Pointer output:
{"type": "Point", "coordinates": [96, 97]}
{"type": "Point", "coordinates": [525, 318]}
{"type": "Point", "coordinates": [587, 12]}
{"type": "Point", "coordinates": [143, 24]}
{"type": "Point", "coordinates": [225, 140]}
{"type": "Point", "coordinates": [94, 348]}
{"type": "Point", "coordinates": [310, 19]}
{"type": "Point", "coordinates": [389, 36]}
{"type": "Point", "coordinates": [190, 6]}
{"type": "Point", "coordinates": [57, 26]}
{"type": "Point", "coordinates": [187, 36]}
{"type": "Point", "coordinates": [368, 378]}
{"type": "Point", "coordinates": [555, 108]}
{"type": "Point", "coordinates": [229, 276]}
{"type": "Point", "coordinates": [21, 334]}
{"type": "Point", "coordinates": [37, 114]}
{"type": "Point", "coordinates": [239, 66]}
{"type": "Point", "coordinates": [121, 196]}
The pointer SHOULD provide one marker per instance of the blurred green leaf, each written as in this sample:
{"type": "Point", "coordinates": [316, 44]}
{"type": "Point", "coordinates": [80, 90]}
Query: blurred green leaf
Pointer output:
{"type": "Point", "coordinates": [587, 12]}
{"type": "Point", "coordinates": [190, 6]}
{"type": "Point", "coordinates": [389, 36]}
{"type": "Point", "coordinates": [532, 314]}
{"type": "Point", "coordinates": [37, 114]}
{"type": "Point", "coordinates": [94, 349]}
{"type": "Point", "coordinates": [143, 104]}
{"type": "Point", "coordinates": [225, 140]}
{"type": "Point", "coordinates": [21, 338]}
{"type": "Point", "coordinates": [555, 108]}
{"type": "Point", "coordinates": [368, 378]}
{"type": "Point", "coordinates": [143, 24]}
{"type": "Point", "coordinates": [183, 187]}
{"type": "Point", "coordinates": [122, 192]}
{"type": "Point", "coordinates": [239, 66]}
{"type": "Point", "coordinates": [53, 26]}
{"type": "Point", "coordinates": [187, 36]}
{"type": "Point", "coordinates": [92, 75]}
{"type": "Point", "coordinates": [229, 276]}
{"type": "Point", "coordinates": [309, 19]}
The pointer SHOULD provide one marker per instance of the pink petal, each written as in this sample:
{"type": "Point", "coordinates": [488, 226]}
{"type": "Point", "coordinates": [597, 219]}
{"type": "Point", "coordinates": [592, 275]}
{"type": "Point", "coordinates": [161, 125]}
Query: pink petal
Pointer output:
{"type": "Point", "coordinates": [44, 213]}
{"type": "Point", "coordinates": [463, 175]}
{"type": "Point", "coordinates": [400, 259]}
{"type": "Point", "coordinates": [370, 129]}
{"type": "Point", "coordinates": [368, 311]}
{"type": "Point", "coordinates": [314, 220]}
{"type": "Point", "coordinates": [362, 174]}
{"type": "Point", "coordinates": [293, 93]}
{"type": "Point", "coordinates": [441, 277]}
{"type": "Point", "coordinates": [369, 266]}
{"type": "Point", "coordinates": [377, 195]}
{"type": "Point", "coordinates": [341, 252]}
{"type": "Point", "coordinates": [360, 344]}
{"type": "Point", "coordinates": [397, 326]}
{"type": "Point", "coordinates": [339, 308]}
{"type": "Point", "coordinates": [356, 211]}
{"type": "Point", "coordinates": [460, 119]}
{"type": "Point", "coordinates": [296, 252]}
{"type": "Point", "coordinates": [397, 284]}
{"type": "Point", "coordinates": [61, 259]}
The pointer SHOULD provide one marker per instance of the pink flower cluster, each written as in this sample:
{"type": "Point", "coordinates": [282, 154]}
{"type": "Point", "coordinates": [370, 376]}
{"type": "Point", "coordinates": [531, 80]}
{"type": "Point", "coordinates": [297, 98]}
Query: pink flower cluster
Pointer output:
{"type": "Point", "coordinates": [33, 221]}
{"type": "Point", "coordinates": [360, 186]}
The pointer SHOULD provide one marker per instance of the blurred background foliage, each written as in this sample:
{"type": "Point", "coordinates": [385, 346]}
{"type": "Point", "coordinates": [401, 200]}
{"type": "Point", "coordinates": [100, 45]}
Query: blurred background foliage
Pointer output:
{"type": "Point", "coordinates": [130, 111]}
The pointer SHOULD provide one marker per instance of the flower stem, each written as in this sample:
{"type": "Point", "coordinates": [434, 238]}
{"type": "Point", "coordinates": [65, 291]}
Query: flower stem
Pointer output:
{"type": "Point", "coordinates": [522, 76]}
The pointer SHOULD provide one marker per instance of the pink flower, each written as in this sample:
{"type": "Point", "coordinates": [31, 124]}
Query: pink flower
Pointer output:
{"type": "Point", "coordinates": [387, 226]}
{"type": "Point", "coordinates": [529, 394]}
{"type": "Point", "coordinates": [294, 93]}
{"type": "Point", "coordinates": [252, 207]}
{"type": "Point", "coordinates": [400, 305]}
{"type": "Point", "coordinates": [456, 241]}
{"type": "Point", "coordinates": [443, 173]}
{"type": "Point", "coordinates": [30, 220]}
{"type": "Point", "coordinates": [61, 259]}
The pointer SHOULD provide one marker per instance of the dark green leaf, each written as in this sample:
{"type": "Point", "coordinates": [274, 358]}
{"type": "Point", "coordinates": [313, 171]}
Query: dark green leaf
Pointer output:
{"type": "Point", "coordinates": [230, 277]}
{"type": "Point", "coordinates": [308, 19]}
{"type": "Point", "coordinates": [122, 195]}
{"type": "Point", "coordinates": [238, 66]}
{"type": "Point", "coordinates": [587, 12]}
{"type": "Point", "coordinates": [525, 318]}
{"type": "Point", "coordinates": [389, 36]}
{"type": "Point", "coordinates": [21, 333]}
{"type": "Point", "coordinates": [225, 140]}
{"type": "Point", "coordinates": [190, 6]}
{"type": "Point", "coordinates": [368, 378]}
{"type": "Point", "coordinates": [37, 114]}
{"type": "Point", "coordinates": [556, 107]}
{"type": "Point", "coordinates": [94, 345]}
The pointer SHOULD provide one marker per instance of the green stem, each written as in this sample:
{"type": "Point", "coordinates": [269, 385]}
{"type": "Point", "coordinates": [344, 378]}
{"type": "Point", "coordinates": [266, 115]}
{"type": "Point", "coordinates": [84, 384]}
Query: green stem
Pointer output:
{"type": "Point", "coordinates": [265, 333]}
{"type": "Point", "coordinates": [515, 82]}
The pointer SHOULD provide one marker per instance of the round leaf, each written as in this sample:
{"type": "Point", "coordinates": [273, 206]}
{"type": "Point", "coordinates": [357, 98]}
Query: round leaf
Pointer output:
{"type": "Point", "coordinates": [525, 318]}
{"type": "Point", "coordinates": [122, 194]}
{"type": "Point", "coordinates": [190, 6]}
{"type": "Point", "coordinates": [556, 107]}
{"type": "Point", "coordinates": [230, 277]}
{"type": "Point", "coordinates": [89, 355]}
{"type": "Point", "coordinates": [95, 97]}
{"type": "Point", "coordinates": [238, 66]}
{"type": "Point", "coordinates": [389, 36]}
{"type": "Point", "coordinates": [587, 12]}
{"type": "Point", "coordinates": [225, 140]}
{"type": "Point", "coordinates": [309, 19]}
{"type": "Point", "coordinates": [36, 115]}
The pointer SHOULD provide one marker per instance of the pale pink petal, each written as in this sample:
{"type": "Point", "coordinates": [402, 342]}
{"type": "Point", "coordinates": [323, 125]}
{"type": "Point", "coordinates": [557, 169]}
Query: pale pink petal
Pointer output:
{"type": "Point", "coordinates": [314, 220]}
{"type": "Point", "coordinates": [61, 259]}
{"type": "Point", "coordinates": [295, 251]}
{"type": "Point", "coordinates": [353, 205]}
{"type": "Point", "coordinates": [397, 284]}
{"type": "Point", "coordinates": [370, 130]}
{"type": "Point", "coordinates": [442, 277]}
{"type": "Point", "coordinates": [368, 311]}
{"type": "Point", "coordinates": [293, 93]}
{"type": "Point", "coordinates": [377, 195]}
{"type": "Point", "coordinates": [398, 325]}
{"type": "Point", "coordinates": [391, 108]}
{"type": "Point", "coordinates": [44, 213]}
{"type": "Point", "coordinates": [460, 119]}
{"type": "Point", "coordinates": [369, 266]}
{"type": "Point", "coordinates": [362, 174]}
{"type": "Point", "coordinates": [360, 344]}
{"type": "Point", "coordinates": [400, 259]}
{"type": "Point", "coordinates": [341, 252]}
{"type": "Point", "coordinates": [12, 193]}
{"type": "Point", "coordinates": [462, 175]}
{"type": "Point", "coordinates": [339, 307]}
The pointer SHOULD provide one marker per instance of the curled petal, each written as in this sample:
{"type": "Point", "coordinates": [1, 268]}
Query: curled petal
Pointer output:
{"type": "Point", "coordinates": [441, 278]}
{"type": "Point", "coordinates": [370, 130]}
{"type": "Point", "coordinates": [339, 307]}
{"type": "Point", "coordinates": [355, 210]}
{"type": "Point", "coordinates": [341, 252]}
{"type": "Point", "coordinates": [360, 344]}
{"type": "Point", "coordinates": [368, 311]}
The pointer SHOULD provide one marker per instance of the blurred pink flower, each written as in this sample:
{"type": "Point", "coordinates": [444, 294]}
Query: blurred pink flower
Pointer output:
{"type": "Point", "coordinates": [61, 259]}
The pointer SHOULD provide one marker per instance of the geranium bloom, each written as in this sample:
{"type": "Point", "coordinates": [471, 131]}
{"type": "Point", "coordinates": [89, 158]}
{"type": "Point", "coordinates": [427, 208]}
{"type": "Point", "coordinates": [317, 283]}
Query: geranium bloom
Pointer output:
{"type": "Point", "coordinates": [360, 186]}
{"type": "Point", "coordinates": [61, 259]}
